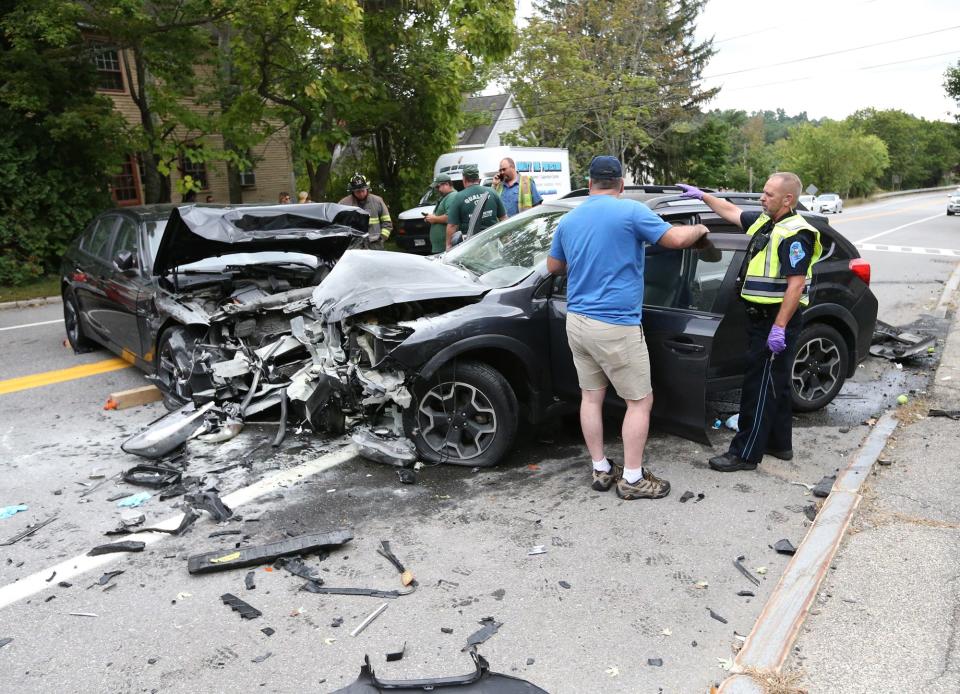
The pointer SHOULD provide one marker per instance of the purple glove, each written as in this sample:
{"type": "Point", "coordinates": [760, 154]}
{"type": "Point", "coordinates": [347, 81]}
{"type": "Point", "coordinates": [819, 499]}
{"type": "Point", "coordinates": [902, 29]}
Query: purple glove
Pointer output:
{"type": "Point", "coordinates": [777, 339]}
{"type": "Point", "coordinates": [690, 192]}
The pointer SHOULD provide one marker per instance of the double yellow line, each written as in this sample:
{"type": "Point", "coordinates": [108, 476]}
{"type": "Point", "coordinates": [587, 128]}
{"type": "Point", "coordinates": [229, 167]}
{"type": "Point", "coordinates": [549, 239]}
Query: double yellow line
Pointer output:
{"type": "Point", "coordinates": [46, 378]}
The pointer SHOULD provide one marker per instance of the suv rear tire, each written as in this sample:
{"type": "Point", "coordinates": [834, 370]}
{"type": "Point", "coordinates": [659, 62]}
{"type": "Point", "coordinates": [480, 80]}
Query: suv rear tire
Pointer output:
{"type": "Point", "coordinates": [819, 368]}
{"type": "Point", "coordinates": [466, 414]}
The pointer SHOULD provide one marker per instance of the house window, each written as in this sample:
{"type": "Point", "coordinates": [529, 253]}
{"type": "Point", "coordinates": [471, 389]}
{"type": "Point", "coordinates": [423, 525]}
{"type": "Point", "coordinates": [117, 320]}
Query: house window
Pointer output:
{"type": "Point", "coordinates": [248, 178]}
{"type": "Point", "coordinates": [196, 170]}
{"type": "Point", "coordinates": [109, 72]}
{"type": "Point", "coordinates": [125, 187]}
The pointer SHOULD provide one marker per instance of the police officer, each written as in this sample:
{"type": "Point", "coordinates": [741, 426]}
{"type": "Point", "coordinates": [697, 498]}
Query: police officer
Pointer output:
{"type": "Point", "coordinates": [775, 282]}
{"type": "Point", "coordinates": [380, 224]}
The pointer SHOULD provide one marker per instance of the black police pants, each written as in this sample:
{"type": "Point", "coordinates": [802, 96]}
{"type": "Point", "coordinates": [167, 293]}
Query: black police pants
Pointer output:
{"type": "Point", "coordinates": [766, 409]}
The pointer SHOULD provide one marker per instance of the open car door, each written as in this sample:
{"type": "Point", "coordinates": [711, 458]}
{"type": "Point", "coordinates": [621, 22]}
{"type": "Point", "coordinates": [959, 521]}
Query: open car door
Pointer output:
{"type": "Point", "coordinates": [687, 296]}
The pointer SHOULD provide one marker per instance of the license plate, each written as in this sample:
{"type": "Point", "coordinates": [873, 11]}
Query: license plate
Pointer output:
{"type": "Point", "coordinates": [419, 242]}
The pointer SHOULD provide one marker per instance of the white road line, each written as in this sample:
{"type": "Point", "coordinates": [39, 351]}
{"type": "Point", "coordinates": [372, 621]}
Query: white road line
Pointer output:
{"type": "Point", "coordinates": [915, 250]}
{"type": "Point", "coordinates": [32, 325]}
{"type": "Point", "coordinates": [902, 226]}
{"type": "Point", "coordinates": [81, 564]}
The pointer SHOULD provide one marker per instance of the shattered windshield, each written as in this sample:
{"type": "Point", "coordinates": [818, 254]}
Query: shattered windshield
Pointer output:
{"type": "Point", "coordinates": [507, 252]}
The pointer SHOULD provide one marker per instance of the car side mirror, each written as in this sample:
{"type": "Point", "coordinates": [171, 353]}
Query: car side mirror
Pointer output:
{"type": "Point", "coordinates": [125, 261]}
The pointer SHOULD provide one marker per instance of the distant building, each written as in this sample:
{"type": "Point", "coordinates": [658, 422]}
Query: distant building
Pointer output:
{"type": "Point", "coordinates": [505, 117]}
{"type": "Point", "coordinates": [271, 172]}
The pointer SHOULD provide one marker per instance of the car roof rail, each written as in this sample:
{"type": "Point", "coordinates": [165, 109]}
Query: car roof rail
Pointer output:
{"type": "Point", "coordinates": [651, 188]}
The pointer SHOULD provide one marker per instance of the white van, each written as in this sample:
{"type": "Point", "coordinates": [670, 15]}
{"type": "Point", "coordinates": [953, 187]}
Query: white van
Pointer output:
{"type": "Point", "coordinates": [549, 167]}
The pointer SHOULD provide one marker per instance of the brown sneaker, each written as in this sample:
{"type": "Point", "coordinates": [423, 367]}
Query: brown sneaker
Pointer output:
{"type": "Point", "coordinates": [650, 487]}
{"type": "Point", "coordinates": [602, 481]}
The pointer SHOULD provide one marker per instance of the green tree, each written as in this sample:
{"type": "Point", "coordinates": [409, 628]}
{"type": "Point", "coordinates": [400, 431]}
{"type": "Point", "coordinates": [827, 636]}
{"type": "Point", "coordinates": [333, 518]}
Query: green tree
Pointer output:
{"type": "Point", "coordinates": [614, 77]}
{"type": "Point", "coordinates": [834, 156]}
{"type": "Point", "coordinates": [58, 140]}
{"type": "Point", "coordinates": [391, 73]}
{"type": "Point", "coordinates": [951, 83]}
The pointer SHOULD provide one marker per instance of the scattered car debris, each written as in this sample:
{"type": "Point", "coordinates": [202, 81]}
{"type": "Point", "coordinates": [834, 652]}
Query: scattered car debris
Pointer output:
{"type": "Point", "coordinates": [761, 570]}
{"type": "Point", "coordinates": [822, 488]}
{"type": "Point", "coordinates": [703, 585]}
{"type": "Point", "coordinates": [717, 617]}
{"type": "Point", "coordinates": [296, 567]}
{"type": "Point", "coordinates": [886, 462]}
{"type": "Point", "coordinates": [407, 476]}
{"type": "Point", "coordinates": [784, 547]}
{"type": "Point", "coordinates": [725, 663]}
{"type": "Point", "coordinates": [446, 630]}
{"type": "Point", "coordinates": [184, 596]}
{"type": "Point", "coordinates": [107, 577]}
{"type": "Point", "coordinates": [169, 432]}
{"type": "Point", "coordinates": [10, 511]}
{"type": "Point", "coordinates": [393, 656]}
{"type": "Point", "coordinates": [489, 627]}
{"type": "Point", "coordinates": [211, 503]}
{"type": "Point", "coordinates": [384, 446]}
{"type": "Point", "coordinates": [65, 584]}
{"type": "Point", "coordinates": [686, 497]}
{"type": "Point", "coordinates": [745, 571]}
{"type": "Point", "coordinates": [28, 531]}
{"type": "Point", "coordinates": [950, 414]}
{"type": "Point", "coordinates": [134, 500]}
{"type": "Point", "coordinates": [51, 577]}
{"type": "Point", "coordinates": [892, 343]}
{"type": "Point", "coordinates": [530, 661]}
{"type": "Point", "coordinates": [369, 618]}
{"type": "Point", "coordinates": [264, 554]}
{"type": "Point", "coordinates": [336, 623]}
{"type": "Point", "coordinates": [5, 641]}
{"type": "Point", "coordinates": [480, 681]}
{"type": "Point", "coordinates": [246, 610]}
{"type": "Point", "coordinates": [82, 614]}
{"type": "Point", "coordinates": [666, 632]}
{"type": "Point", "coordinates": [131, 518]}
{"type": "Point", "coordinates": [250, 580]}
{"type": "Point", "coordinates": [261, 658]}
{"type": "Point", "coordinates": [222, 533]}
{"type": "Point", "coordinates": [564, 584]}
{"type": "Point", "coordinates": [154, 476]}
{"type": "Point", "coordinates": [316, 586]}
{"type": "Point", "coordinates": [127, 546]}
{"type": "Point", "coordinates": [188, 518]}
{"type": "Point", "coordinates": [746, 594]}
{"type": "Point", "coordinates": [536, 549]}
{"type": "Point", "coordinates": [655, 662]}
{"type": "Point", "coordinates": [406, 576]}
{"type": "Point", "coordinates": [269, 631]}
{"type": "Point", "coordinates": [613, 671]}
{"type": "Point", "coordinates": [810, 511]}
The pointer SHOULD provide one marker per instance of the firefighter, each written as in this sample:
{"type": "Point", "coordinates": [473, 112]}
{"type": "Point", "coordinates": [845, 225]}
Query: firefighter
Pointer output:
{"type": "Point", "coordinates": [380, 224]}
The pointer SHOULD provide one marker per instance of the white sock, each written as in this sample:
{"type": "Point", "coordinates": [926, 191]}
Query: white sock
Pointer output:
{"type": "Point", "coordinates": [632, 475]}
{"type": "Point", "coordinates": [602, 465]}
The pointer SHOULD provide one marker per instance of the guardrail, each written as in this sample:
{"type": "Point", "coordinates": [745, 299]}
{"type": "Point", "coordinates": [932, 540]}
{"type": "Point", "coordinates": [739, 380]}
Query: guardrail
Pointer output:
{"type": "Point", "coordinates": [895, 193]}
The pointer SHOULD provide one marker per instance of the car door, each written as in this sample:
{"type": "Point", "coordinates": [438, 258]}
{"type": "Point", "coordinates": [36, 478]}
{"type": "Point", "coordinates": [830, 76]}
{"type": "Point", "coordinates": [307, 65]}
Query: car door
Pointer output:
{"type": "Point", "coordinates": [122, 282]}
{"type": "Point", "coordinates": [92, 263]}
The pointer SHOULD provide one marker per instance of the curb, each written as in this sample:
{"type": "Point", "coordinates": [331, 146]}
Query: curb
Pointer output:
{"type": "Point", "coordinates": [27, 303]}
{"type": "Point", "coordinates": [778, 625]}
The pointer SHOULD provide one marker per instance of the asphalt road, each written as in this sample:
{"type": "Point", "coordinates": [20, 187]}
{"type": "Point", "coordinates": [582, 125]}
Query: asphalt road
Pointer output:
{"type": "Point", "coordinates": [619, 583]}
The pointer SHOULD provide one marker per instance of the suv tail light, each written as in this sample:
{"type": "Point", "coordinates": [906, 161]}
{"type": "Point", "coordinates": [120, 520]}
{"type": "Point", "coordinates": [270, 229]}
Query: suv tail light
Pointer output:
{"type": "Point", "coordinates": [861, 268]}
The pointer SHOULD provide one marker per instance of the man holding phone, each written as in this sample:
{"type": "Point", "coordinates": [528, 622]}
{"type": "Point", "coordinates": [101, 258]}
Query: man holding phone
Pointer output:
{"type": "Point", "coordinates": [518, 192]}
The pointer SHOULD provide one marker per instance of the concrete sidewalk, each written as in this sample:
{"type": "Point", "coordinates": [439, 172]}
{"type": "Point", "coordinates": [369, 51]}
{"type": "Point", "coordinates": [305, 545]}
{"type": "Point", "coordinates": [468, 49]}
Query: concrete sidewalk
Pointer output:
{"type": "Point", "coordinates": [887, 617]}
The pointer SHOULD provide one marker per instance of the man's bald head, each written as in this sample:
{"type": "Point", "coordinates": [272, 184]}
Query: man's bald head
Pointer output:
{"type": "Point", "coordinates": [780, 194]}
{"type": "Point", "coordinates": [790, 183]}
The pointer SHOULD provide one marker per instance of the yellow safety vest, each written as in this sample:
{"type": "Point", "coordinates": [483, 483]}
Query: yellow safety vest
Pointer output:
{"type": "Point", "coordinates": [764, 282]}
{"type": "Point", "coordinates": [525, 198]}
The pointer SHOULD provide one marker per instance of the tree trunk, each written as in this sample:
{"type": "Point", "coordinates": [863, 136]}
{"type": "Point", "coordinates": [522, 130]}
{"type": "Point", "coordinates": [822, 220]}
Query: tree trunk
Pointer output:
{"type": "Point", "coordinates": [157, 186]}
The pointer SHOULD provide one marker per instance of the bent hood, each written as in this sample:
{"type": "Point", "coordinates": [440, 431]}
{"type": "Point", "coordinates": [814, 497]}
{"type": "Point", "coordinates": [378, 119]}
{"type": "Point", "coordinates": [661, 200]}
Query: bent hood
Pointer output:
{"type": "Point", "coordinates": [194, 232]}
{"type": "Point", "coordinates": [367, 280]}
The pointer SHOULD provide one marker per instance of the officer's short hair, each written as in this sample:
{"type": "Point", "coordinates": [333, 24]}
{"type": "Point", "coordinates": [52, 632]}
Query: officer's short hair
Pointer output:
{"type": "Point", "coordinates": [790, 181]}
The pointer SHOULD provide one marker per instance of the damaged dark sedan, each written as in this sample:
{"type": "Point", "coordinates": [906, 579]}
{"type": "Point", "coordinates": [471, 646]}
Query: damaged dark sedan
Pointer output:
{"type": "Point", "coordinates": [442, 359]}
{"type": "Point", "coordinates": [170, 288]}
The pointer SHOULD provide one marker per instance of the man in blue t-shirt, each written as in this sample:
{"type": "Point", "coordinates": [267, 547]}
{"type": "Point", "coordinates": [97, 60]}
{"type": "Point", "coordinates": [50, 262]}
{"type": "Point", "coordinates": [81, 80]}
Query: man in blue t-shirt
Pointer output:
{"type": "Point", "coordinates": [599, 246]}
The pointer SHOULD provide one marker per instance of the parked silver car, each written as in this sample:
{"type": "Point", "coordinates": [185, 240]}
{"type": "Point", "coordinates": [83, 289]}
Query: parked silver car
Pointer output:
{"type": "Point", "coordinates": [953, 203]}
{"type": "Point", "coordinates": [829, 202]}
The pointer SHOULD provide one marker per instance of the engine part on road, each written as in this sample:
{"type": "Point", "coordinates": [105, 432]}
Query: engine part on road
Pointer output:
{"type": "Point", "coordinates": [221, 560]}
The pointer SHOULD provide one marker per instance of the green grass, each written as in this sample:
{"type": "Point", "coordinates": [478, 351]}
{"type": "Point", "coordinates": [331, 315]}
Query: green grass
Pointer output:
{"type": "Point", "coordinates": [45, 286]}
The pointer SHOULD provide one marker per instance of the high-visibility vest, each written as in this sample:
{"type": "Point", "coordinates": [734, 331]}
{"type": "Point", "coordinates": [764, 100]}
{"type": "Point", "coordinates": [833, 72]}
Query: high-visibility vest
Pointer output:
{"type": "Point", "coordinates": [764, 282]}
{"type": "Point", "coordinates": [525, 198]}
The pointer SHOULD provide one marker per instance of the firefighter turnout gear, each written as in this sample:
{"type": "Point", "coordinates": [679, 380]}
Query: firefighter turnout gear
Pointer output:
{"type": "Point", "coordinates": [380, 224]}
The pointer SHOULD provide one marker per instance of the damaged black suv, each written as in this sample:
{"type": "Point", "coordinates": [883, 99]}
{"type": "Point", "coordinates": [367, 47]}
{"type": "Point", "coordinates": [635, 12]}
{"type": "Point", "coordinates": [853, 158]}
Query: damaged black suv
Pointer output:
{"type": "Point", "coordinates": [442, 358]}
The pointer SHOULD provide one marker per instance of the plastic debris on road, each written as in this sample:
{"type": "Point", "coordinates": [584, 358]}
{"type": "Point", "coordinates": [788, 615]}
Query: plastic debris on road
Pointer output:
{"type": "Point", "coordinates": [8, 511]}
{"type": "Point", "coordinates": [134, 500]}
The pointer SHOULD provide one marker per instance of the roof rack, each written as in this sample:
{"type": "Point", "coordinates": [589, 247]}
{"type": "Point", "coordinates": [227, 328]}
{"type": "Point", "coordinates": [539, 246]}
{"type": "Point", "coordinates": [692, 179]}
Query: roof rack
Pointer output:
{"type": "Point", "coordinates": [652, 189]}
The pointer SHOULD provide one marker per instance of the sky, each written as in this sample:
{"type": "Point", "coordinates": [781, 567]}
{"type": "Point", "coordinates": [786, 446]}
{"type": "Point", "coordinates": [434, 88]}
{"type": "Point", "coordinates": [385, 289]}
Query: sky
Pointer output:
{"type": "Point", "coordinates": [905, 72]}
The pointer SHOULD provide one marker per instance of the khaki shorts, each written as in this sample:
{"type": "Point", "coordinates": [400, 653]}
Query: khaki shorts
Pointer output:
{"type": "Point", "coordinates": [604, 354]}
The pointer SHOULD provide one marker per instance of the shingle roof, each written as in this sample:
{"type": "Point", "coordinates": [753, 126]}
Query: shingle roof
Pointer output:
{"type": "Point", "coordinates": [492, 105]}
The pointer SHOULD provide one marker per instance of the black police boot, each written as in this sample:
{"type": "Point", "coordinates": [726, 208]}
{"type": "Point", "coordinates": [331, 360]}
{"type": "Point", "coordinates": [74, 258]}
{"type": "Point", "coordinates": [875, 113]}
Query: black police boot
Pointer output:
{"type": "Point", "coordinates": [782, 455]}
{"type": "Point", "coordinates": [729, 462]}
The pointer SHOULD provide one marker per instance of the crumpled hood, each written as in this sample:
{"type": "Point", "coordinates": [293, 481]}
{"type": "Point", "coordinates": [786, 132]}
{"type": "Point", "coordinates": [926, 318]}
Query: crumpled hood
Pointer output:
{"type": "Point", "coordinates": [195, 232]}
{"type": "Point", "coordinates": [366, 280]}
